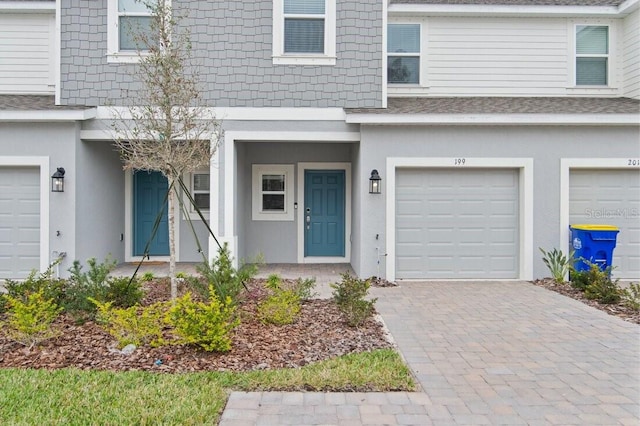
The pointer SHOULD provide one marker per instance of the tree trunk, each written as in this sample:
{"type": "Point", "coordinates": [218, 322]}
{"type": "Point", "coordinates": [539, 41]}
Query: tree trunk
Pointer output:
{"type": "Point", "coordinates": [172, 199]}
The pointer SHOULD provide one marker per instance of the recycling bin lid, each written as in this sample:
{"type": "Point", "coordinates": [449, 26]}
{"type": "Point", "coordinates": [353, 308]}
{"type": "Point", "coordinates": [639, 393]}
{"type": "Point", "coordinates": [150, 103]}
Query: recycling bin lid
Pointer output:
{"type": "Point", "coordinates": [594, 227]}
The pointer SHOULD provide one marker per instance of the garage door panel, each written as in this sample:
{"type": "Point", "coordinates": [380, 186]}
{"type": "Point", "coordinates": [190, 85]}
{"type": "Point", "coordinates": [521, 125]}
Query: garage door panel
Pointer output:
{"type": "Point", "coordinates": [612, 197]}
{"type": "Point", "coordinates": [20, 215]}
{"type": "Point", "coordinates": [467, 223]}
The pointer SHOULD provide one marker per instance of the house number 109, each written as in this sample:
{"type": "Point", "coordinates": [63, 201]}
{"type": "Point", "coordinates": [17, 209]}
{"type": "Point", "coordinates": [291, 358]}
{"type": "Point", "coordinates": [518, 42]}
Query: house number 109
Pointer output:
{"type": "Point", "coordinates": [459, 161]}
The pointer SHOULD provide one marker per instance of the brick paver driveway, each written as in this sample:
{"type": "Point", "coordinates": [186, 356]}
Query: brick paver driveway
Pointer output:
{"type": "Point", "coordinates": [514, 353]}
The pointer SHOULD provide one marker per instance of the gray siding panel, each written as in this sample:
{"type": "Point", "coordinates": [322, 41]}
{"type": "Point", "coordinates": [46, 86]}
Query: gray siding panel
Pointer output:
{"type": "Point", "coordinates": [232, 43]}
{"type": "Point", "coordinates": [100, 202]}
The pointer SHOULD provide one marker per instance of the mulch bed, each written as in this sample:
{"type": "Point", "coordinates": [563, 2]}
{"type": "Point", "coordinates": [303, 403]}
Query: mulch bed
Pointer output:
{"type": "Point", "coordinates": [319, 333]}
{"type": "Point", "coordinates": [616, 309]}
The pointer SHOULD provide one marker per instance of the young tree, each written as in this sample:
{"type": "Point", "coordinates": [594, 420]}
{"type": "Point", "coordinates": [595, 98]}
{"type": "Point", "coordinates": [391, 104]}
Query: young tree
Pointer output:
{"type": "Point", "coordinates": [165, 126]}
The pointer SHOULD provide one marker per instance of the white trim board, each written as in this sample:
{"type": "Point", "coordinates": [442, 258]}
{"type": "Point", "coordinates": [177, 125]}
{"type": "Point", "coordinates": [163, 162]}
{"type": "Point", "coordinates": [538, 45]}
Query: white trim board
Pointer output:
{"type": "Point", "coordinates": [48, 115]}
{"type": "Point", "coordinates": [505, 10]}
{"type": "Point", "coordinates": [302, 167]}
{"type": "Point", "coordinates": [43, 164]}
{"type": "Point", "coordinates": [28, 6]}
{"type": "Point", "coordinates": [525, 165]}
{"type": "Point", "coordinates": [568, 164]}
{"type": "Point", "coordinates": [492, 119]}
{"type": "Point", "coordinates": [245, 113]}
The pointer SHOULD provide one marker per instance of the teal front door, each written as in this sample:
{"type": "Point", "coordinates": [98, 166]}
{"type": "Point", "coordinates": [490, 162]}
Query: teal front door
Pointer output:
{"type": "Point", "coordinates": [149, 191]}
{"type": "Point", "coordinates": [324, 212]}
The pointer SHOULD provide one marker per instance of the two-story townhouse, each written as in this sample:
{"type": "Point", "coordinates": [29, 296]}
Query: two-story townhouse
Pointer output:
{"type": "Point", "coordinates": [491, 124]}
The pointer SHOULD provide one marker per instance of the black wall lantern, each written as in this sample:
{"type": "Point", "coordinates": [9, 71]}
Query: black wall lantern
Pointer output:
{"type": "Point", "coordinates": [57, 180]}
{"type": "Point", "coordinates": [374, 182]}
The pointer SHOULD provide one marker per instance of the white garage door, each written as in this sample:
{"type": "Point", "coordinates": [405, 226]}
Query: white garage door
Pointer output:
{"type": "Point", "coordinates": [457, 223]}
{"type": "Point", "coordinates": [19, 221]}
{"type": "Point", "coordinates": [610, 197]}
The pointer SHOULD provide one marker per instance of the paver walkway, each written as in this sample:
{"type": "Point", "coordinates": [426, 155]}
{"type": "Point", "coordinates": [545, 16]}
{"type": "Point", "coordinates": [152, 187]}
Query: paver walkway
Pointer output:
{"type": "Point", "coordinates": [484, 353]}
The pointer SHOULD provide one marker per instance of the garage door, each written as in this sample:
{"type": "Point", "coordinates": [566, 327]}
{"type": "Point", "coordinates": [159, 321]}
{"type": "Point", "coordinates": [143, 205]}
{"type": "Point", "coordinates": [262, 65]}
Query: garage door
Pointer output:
{"type": "Point", "coordinates": [457, 223]}
{"type": "Point", "coordinates": [610, 197]}
{"type": "Point", "coordinates": [19, 221]}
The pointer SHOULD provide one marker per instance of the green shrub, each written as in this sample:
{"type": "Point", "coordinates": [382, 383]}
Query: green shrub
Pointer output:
{"type": "Point", "coordinates": [30, 321]}
{"type": "Point", "coordinates": [631, 296]}
{"type": "Point", "coordinates": [580, 279]}
{"type": "Point", "coordinates": [83, 286]}
{"type": "Point", "coordinates": [600, 287]}
{"type": "Point", "coordinates": [304, 288]}
{"type": "Point", "coordinates": [208, 325]}
{"type": "Point", "coordinates": [349, 294]}
{"type": "Point", "coordinates": [282, 307]}
{"type": "Point", "coordinates": [226, 280]}
{"type": "Point", "coordinates": [148, 276]}
{"type": "Point", "coordinates": [96, 275]}
{"type": "Point", "coordinates": [557, 262]}
{"type": "Point", "coordinates": [52, 288]}
{"type": "Point", "coordinates": [133, 325]}
{"type": "Point", "coordinates": [274, 282]}
{"type": "Point", "coordinates": [124, 292]}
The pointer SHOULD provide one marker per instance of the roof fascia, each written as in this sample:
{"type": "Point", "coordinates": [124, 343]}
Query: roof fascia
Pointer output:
{"type": "Point", "coordinates": [28, 6]}
{"type": "Point", "coordinates": [506, 10]}
{"type": "Point", "coordinates": [495, 119]}
{"type": "Point", "coordinates": [47, 115]}
{"type": "Point", "coordinates": [628, 6]}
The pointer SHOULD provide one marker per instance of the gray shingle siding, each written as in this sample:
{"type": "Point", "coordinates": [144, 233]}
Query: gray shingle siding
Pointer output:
{"type": "Point", "coordinates": [232, 43]}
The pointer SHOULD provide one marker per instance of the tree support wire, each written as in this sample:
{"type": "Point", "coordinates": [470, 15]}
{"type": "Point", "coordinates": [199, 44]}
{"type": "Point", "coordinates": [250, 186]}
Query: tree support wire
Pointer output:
{"type": "Point", "coordinates": [183, 208]}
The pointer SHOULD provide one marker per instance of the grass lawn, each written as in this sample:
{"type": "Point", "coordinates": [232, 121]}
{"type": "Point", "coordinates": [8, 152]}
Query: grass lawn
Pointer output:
{"type": "Point", "coordinates": [73, 397]}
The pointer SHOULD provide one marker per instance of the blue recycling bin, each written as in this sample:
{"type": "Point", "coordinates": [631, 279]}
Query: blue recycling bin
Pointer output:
{"type": "Point", "coordinates": [594, 243]}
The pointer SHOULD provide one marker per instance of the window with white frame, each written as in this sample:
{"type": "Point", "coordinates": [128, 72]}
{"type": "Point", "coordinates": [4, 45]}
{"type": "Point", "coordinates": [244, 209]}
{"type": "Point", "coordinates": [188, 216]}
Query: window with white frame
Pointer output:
{"type": "Point", "coordinates": [272, 192]}
{"type": "Point", "coordinates": [304, 32]}
{"type": "Point", "coordinates": [126, 18]}
{"type": "Point", "coordinates": [592, 55]}
{"type": "Point", "coordinates": [403, 54]}
{"type": "Point", "coordinates": [199, 186]}
{"type": "Point", "coordinates": [200, 189]}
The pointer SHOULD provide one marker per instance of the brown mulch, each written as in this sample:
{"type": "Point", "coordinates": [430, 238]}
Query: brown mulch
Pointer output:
{"type": "Point", "coordinates": [318, 333]}
{"type": "Point", "coordinates": [619, 310]}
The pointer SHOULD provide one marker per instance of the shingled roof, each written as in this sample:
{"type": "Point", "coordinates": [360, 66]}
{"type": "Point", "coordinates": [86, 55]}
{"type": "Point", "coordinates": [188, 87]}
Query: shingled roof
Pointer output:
{"type": "Point", "coordinates": [504, 105]}
{"type": "Point", "coordinates": [33, 103]}
{"type": "Point", "coordinates": [517, 2]}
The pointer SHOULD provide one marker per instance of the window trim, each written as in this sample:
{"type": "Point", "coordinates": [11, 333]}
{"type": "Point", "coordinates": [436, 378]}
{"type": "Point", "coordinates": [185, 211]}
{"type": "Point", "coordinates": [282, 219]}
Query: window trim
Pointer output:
{"type": "Point", "coordinates": [611, 88]}
{"type": "Point", "coordinates": [188, 177]}
{"type": "Point", "coordinates": [417, 54]}
{"type": "Point", "coordinates": [257, 172]}
{"type": "Point", "coordinates": [400, 89]}
{"type": "Point", "coordinates": [327, 58]}
{"type": "Point", "coordinates": [577, 55]}
{"type": "Point", "coordinates": [114, 54]}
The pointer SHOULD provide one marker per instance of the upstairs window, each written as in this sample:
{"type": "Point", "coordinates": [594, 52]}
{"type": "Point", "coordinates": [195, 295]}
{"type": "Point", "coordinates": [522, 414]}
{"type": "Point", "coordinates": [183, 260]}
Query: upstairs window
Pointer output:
{"type": "Point", "coordinates": [304, 32]}
{"type": "Point", "coordinates": [304, 26]}
{"type": "Point", "coordinates": [592, 55]}
{"type": "Point", "coordinates": [403, 54]}
{"type": "Point", "coordinates": [126, 18]}
{"type": "Point", "coordinates": [133, 18]}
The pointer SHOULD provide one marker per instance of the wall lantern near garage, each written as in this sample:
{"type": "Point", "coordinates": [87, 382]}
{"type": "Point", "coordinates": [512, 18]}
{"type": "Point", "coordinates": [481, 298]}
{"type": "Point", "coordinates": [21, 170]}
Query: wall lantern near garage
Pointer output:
{"type": "Point", "coordinates": [374, 182]}
{"type": "Point", "coordinates": [57, 180]}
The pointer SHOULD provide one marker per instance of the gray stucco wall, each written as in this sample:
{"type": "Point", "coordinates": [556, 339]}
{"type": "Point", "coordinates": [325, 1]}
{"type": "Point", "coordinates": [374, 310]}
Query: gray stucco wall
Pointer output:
{"type": "Point", "coordinates": [56, 141]}
{"type": "Point", "coordinates": [546, 145]}
{"type": "Point", "coordinates": [232, 46]}
{"type": "Point", "coordinates": [277, 240]}
{"type": "Point", "coordinates": [99, 201]}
